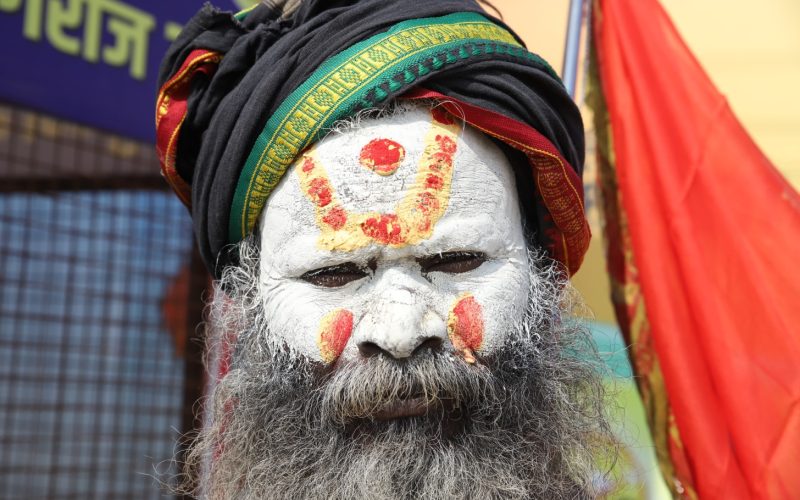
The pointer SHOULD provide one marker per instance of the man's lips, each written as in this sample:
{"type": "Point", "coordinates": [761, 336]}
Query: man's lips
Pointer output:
{"type": "Point", "coordinates": [403, 408]}
{"type": "Point", "coordinates": [444, 413]}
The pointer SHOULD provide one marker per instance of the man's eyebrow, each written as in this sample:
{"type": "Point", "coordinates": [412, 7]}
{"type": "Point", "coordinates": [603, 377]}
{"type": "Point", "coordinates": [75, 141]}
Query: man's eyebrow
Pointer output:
{"type": "Point", "coordinates": [454, 237]}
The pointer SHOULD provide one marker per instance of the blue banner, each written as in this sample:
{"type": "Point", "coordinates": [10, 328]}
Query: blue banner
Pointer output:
{"type": "Point", "coordinates": [93, 62]}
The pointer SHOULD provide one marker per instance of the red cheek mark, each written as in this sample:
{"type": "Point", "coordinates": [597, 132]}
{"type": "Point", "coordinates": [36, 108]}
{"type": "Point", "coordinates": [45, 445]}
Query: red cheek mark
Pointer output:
{"type": "Point", "coordinates": [465, 326]}
{"type": "Point", "coordinates": [319, 190]}
{"type": "Point", "coordinates": [442, 116]}
{"type": "Point", "coordinates": [335, 218]}
{"type": "Point", "coordinates": [382, 156]}
{"type": "Point", "coordinates": [335, 330]}
{"type": "Point", "coordinates": [385, 229]}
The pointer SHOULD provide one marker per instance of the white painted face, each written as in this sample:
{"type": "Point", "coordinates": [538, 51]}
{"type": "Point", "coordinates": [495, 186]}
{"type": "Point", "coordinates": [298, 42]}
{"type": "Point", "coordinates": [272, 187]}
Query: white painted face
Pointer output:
{"type": "Point", "coordinates": [400, 235]}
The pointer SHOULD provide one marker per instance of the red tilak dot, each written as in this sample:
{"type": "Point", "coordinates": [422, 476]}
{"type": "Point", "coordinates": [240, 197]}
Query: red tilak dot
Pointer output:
{"type": "Point", "coordinates": [382, 156]}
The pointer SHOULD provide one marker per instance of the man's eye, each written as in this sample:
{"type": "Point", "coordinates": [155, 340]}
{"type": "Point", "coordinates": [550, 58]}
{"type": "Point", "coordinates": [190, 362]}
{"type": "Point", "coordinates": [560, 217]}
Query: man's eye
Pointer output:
{"type": "Point", "coordinates": [335, 276]}
{"type": "Point", "coordinates": [452, 262]}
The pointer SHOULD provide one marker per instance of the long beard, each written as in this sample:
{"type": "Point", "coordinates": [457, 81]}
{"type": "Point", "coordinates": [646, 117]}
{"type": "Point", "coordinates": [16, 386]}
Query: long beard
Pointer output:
{"type": "Point", "coordinates": [526, 421]}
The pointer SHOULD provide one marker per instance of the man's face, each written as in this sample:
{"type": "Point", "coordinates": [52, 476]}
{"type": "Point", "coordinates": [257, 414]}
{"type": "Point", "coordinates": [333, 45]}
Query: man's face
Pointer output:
{"type": "Point", "coordinates": [401, 235]}
{"type": "Point", "coordinates": [393, 337]}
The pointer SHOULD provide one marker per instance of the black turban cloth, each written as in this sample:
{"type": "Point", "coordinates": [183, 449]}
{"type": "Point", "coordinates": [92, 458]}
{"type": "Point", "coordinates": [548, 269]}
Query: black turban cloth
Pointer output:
{"type": "Point", "coordinates": [226, 76]}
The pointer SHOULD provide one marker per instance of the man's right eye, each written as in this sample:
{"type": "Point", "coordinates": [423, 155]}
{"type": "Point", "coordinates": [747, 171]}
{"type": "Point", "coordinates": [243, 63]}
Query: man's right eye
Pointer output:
{"type": "Point", "coordinates": [335, 276]}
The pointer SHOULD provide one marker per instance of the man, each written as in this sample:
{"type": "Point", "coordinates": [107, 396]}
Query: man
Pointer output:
{"type": "Point", "coordinates": [392, 284]}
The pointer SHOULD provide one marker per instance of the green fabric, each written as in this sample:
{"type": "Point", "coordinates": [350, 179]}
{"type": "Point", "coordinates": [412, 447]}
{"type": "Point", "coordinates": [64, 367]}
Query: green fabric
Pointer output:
{"type": "Point", "coordinates": [344, 83]}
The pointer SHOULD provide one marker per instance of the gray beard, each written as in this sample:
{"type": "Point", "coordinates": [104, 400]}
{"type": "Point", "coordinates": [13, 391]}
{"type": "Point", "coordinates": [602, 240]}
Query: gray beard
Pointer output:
{"type": "Point", "coordinates": [526, 421]}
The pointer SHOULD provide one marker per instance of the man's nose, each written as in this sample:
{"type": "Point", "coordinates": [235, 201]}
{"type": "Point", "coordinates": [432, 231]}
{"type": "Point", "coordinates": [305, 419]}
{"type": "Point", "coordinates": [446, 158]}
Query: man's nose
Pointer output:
{"type": "Point", "coordinates": [401, 323]}
{"type": "Point", "coordinates": [367, 348]}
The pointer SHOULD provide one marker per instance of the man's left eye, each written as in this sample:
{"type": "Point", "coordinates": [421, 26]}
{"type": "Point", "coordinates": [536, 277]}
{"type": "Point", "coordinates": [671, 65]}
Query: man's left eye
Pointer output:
{"type": "Point", "coordinates": [452, 262]}
{"type": "Point", "coordinates": [335, 276]}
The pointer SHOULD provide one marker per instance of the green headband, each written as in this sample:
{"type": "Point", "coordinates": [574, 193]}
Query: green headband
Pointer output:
{"type": "Point", "coordinates": [360, 77]}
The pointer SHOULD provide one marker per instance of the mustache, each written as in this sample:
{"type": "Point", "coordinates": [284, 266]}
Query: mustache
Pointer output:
{"type": "Point", "coordinates": [377, 386]}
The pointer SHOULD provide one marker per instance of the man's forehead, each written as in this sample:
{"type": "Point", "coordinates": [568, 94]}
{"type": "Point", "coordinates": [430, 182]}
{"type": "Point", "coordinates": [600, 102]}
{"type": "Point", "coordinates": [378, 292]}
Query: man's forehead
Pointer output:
{"type": "Point", "coordinates": [375, 160]}
{"type": "Point", "coordinates": [412, 178]}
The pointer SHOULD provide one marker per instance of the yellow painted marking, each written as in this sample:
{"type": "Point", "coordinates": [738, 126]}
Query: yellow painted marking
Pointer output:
{"type": "Point", "coordinates": [415, 215]}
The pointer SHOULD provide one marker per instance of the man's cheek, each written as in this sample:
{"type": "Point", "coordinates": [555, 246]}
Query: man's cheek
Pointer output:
{"type": "Point", "coordinates": [335, 329]}
{"type": "Point", "coordinates": [308, 323]}
{"type": "Point", "coordinates": [484, 318]}
{"type": "Point", "coordinates": [465, 326]}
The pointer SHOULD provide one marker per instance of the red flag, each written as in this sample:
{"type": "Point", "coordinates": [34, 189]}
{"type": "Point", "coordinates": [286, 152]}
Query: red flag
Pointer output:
{"type": "Point", "coordinates": [704, 250]}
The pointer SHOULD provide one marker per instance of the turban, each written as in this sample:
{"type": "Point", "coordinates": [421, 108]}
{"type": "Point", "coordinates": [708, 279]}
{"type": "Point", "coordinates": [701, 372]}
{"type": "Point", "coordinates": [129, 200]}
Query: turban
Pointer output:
{"type": "Point", "coordinates": [242, 95]}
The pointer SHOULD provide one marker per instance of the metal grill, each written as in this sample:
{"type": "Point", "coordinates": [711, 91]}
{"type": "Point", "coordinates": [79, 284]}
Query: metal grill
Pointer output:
{"type": "Point", "coordinates": [99, 300]}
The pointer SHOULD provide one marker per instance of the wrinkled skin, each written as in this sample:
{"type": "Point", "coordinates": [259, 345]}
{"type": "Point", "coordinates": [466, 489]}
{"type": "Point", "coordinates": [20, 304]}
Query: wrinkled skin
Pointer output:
{"type": "Point", "coordinates": [401, 294]}
{"type": "Point", "coordinates": [453, 372]}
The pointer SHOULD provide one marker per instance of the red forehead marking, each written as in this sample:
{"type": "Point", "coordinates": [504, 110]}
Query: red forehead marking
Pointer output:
{"type": "Point", "coordinates": [433, 181]}
{"type": "Point", "coordinates": [335, 331]}
{"type": "Point", "coordinates": [427, 203]}
{"type": "Point", "coordinates": [385, 229]}
{"type": "Point", "coordinates": [336, 217]}
{"type": "Point", "coordinates": [423, 204]}
{"type": "Point", "coordinates": [446, 144]}
{"type": "Point", "coordinates": [320, 191]}
{"type": "Point", "coordinates": [382, 156]}
{"type": "Point", "coordinates": [465, 326]}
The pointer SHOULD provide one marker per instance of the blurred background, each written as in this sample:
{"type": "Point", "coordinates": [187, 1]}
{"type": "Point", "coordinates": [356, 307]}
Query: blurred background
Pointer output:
{"type": "Point", "coordinates": [100, 351]}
